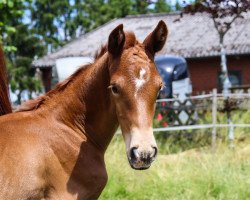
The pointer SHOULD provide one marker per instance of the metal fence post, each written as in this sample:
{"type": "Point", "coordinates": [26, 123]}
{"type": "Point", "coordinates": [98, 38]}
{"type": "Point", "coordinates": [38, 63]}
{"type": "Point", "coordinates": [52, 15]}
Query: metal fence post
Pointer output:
{"type": "Point", "coordinates": [214, 119]}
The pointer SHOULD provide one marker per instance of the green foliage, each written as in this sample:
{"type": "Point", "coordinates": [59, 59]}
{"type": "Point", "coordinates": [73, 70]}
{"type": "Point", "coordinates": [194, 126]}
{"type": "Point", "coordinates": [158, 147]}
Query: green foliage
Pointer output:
{"type": "Point", "coordinates": [178, 6]}
{"type": "Point", "coordinates": [11, 12]}
{"type": "Point", "coordinates": [76, 17]}
{"type": "Point", "coordinates": [21, 74]}
{"type": "Point", "coordinates": [44, 22]}
{"type": "Point", "coordinates": [29, 28]}
{"type": "Point", "coordinates": [162, 6]}
{"type": "Point", "coordinates": [140, 6]}
{"type": "Point", "coordinates": [20, 46]}
{"type": "Point", "coordinates": [22, 77]}
{"type": "Point", "coordinates": [27, 43]}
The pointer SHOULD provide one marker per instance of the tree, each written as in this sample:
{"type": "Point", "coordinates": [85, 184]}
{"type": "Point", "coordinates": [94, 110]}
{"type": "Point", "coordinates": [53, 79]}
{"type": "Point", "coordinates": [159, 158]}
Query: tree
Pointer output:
{"type": "Point", "coordinates": [178, 6]}
{"type": "Point", "coordinates": [141, 6]}
{"type": "Point", "coordinates": [51, 25]}
{"type": "Point", "coordinates": [21, 74]}
{"type": "Point", "coordinates": [117, 9]}
{"type": "Point", "coordinates": [14, 10]}
{"type": "Point", "coordinates": [63, 20]}
{"type": "Point", "coordinates": [162, 6]}
{"type": "Point", "coordinates": [223, 14]}
{"type": "Point", "coordinates": [21, 45]}
{"type": "Point", "coordinates": [92, 13]}
{"type": "Point", "coordinates": [43, 14]}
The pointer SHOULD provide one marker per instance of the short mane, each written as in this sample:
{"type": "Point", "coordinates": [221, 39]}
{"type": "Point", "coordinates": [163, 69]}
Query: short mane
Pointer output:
{"type": "Point", "coordinates": [36, 103]}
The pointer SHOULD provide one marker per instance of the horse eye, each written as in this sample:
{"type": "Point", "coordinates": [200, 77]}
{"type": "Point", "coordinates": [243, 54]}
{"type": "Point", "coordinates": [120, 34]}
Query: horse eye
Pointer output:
{"type": "Point", "coordinates": [114, 89]}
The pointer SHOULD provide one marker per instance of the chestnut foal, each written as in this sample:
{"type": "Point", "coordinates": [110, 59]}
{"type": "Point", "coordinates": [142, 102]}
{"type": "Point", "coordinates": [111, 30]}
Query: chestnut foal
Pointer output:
{"type": "Point", "coordinates": [53, 148]}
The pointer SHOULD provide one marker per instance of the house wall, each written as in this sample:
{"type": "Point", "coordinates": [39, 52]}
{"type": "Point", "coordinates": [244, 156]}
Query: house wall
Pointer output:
{"type": "Point", "coordinates": [204, 72]}
{"type": "Point", "coordinates": [63, 69]}
{"type": "Point", "coordinates": [67, 66]}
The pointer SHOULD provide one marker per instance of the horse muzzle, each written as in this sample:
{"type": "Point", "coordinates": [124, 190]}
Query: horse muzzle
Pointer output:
{"type": "Point", "coordinates": [141, 159]}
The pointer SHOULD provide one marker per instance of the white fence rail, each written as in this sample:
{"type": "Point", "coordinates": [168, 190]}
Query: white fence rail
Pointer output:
{"type": "Point", "coordinates": [201, 126]}
{"type": "Point", "coordinates": [218, 103]}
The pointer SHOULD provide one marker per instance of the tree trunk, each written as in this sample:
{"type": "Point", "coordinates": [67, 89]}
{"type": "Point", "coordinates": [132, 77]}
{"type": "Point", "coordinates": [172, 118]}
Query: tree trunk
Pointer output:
{"type": "Point", "coordinates": [224, 72]}
{"type": "Point", "coordinates": [226, 85]}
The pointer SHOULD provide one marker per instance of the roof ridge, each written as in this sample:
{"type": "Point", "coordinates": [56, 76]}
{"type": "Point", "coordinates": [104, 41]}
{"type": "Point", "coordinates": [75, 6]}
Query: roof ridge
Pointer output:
{"type": "Point", "coordinates": [153, 15]}
{"type": "Point", "coordinates": [188, 34]}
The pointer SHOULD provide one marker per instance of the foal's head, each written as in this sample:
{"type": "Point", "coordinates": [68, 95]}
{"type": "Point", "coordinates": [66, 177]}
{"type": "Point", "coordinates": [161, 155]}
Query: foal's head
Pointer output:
{"type": "Point", "coordinates": [134, 85]}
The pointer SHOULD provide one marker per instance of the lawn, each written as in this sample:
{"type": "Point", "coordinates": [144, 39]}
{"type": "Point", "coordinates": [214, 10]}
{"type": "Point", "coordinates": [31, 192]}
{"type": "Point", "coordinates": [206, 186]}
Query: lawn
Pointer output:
{"type": "Point", "coordinates": [194, 174]}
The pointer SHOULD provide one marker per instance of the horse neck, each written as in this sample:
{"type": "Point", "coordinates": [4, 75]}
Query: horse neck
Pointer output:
{"type": "Point", "coordinates": [86, 105]}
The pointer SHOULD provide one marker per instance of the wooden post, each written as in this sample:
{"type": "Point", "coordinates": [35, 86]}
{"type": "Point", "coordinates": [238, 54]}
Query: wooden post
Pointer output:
{"type": "Point", "coordinates": [214, 119]}
{"type": "Point", "coordinates": [46, 78]}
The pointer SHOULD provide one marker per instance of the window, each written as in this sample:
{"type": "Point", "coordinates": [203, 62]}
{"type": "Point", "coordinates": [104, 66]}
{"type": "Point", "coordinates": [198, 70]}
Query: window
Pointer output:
{"type": "Point", "coordinates": [235, 78]}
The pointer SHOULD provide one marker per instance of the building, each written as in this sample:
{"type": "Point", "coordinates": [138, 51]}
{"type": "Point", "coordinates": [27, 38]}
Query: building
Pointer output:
{"type": "Point", "coordinates": [192, 36]}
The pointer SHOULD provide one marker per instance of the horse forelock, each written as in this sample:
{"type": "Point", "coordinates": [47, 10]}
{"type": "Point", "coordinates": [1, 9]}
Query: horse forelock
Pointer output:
{"type": "Point", "coordinates": [130, 40]}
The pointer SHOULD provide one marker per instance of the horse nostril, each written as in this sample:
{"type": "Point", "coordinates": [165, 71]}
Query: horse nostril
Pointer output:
{"type": "Point", "coordinates": [154, 154]}
{"type": "Point", "coordinates": [134, 155]}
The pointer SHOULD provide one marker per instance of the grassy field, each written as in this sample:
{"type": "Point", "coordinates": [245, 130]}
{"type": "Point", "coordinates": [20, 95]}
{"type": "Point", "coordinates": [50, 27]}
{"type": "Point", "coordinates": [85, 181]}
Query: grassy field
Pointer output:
{"type": "Point", "coordinates": [194, 174]}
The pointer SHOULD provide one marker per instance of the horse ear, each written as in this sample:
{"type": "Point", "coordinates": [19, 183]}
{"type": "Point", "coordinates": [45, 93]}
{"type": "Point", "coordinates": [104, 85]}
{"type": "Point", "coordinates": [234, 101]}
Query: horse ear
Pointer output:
{"type": "Point", "coordinates": [116, 40]}
{"type": "Point", "coordinates": [155, 41]}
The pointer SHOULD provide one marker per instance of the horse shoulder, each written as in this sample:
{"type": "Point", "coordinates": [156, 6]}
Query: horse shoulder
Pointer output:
{"type": "Point", "coordinates": [21, 170]}
{"type": "Point", "coordinates": [22, 155]}
{"type": "Point", "coordinates": [41, 162]}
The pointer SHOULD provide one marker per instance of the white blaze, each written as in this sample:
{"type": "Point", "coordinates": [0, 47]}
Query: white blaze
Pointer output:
{"type": "Point", "coordinates": [140, 81]}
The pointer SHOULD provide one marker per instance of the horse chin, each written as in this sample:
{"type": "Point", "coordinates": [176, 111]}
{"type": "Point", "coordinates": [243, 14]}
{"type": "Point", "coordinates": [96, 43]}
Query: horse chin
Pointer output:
{"type": "Point", "coordinates": [140, 168]}
{"type": "Point", "coordinates": [139, 165]}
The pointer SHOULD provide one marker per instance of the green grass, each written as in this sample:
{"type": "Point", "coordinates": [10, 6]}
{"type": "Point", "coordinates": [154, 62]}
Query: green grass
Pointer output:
{"type": "Point", "coordinates": [196, 174]}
